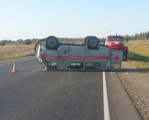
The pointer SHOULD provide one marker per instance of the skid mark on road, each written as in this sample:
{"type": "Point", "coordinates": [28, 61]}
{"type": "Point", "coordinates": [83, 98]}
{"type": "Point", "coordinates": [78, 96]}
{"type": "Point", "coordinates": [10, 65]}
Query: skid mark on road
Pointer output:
{"type": "Point", "coordinates": [30, 72]}
{"type": "Point", "coordinates": [105, 99]}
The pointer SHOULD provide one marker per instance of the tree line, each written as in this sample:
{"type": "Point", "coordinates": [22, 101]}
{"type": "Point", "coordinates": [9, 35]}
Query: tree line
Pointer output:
{"type": "Point", "coordinates": [26, 41]}
{"type": "Point", "coordinates": [140, 36]}
{"type": "Point", "coordinates": [137, 36]}
{"type": "Point", "coordinates": [29, 41]}
{"type": "Point", "coordinates": [35, 40]}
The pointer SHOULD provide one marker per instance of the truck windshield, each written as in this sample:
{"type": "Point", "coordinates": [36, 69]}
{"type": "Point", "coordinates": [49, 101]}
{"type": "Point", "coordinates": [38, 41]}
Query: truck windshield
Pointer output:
{"type": "Point", "coordinates": [115, 39]}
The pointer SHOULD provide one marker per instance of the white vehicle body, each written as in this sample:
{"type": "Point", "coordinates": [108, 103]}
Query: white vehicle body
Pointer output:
{"type": "Point", "coordinates": [79, 57]}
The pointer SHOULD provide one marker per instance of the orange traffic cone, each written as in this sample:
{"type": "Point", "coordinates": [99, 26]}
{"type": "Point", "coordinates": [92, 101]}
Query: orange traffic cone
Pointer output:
{"type": "Point", "coordinates": [14, 68]}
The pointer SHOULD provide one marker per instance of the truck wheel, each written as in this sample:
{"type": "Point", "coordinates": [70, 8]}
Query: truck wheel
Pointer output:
{"type": "Point", "coordinates": [124, 57]}
{"type": "Point", "coordinates": [85, 40]}
{"type": "Point", "coordinates": [92, 42]}
{"type": "Point", "coordinates": [51, 43]}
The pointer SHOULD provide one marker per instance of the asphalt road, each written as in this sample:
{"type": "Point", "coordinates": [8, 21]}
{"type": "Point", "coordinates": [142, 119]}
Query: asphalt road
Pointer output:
{"type": "Point", "coordinates": [35, 94]}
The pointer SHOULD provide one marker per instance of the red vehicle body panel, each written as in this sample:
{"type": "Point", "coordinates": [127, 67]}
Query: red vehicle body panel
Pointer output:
{"type": "Point", "coordinates": [116, 45]}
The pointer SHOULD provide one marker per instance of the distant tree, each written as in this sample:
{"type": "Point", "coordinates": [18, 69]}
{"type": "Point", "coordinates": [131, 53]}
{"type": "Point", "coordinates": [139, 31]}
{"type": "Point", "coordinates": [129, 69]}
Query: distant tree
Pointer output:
{"type": "Point", "coordinates": [141, 36]}
{"type": "Point", "coordinates": [27, 42]}
{"type": "Point", "coordinates": [135, 36]}
{"type": "Point", "coordinates": [147, 35]}
{"type": "Point", "coordinates": [10, 41]}
{"type": "Point", "coordinates": [5, 41]}
{"type": "Point", "coordinates": [34, 40]}
{"type": "Point", "coordinates": [126, 37]}
{"type": "Point", "coordinates": [138, 36]}
{"type": "Point", "coordinates": [19, 41]}
{"type": "Point", "coordinates": [2, 43]}
{"type": "Point", "coordinates": [132, 37]}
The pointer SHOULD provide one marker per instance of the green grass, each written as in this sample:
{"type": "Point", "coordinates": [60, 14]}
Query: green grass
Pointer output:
{"type": "Point", "coordinates": [10, 57]}
{"type": "Point", "coordinates": [138, 57]}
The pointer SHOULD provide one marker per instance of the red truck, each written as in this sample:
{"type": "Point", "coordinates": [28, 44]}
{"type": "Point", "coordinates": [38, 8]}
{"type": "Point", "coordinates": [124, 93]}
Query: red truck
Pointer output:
{"type": "Point", "coordinates": [117, 43]}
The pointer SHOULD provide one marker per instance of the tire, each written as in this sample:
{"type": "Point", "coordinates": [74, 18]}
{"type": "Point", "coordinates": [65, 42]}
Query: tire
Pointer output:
{"type": "Point", "coordinates": [85, 40]}
{"type": "Point", "coordinates": [51, 43]}
{"type": "Point", "coordinates": [124, 57]}
{"type": "Point", "coordinates": [92, 42]}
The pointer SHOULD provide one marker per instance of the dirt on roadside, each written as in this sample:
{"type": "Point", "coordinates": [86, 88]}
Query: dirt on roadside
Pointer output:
{"type": "Point", "coordinates": [136, 84]}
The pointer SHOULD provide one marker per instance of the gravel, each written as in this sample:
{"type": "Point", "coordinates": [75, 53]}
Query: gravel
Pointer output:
{"type": "Point", "coordinates": [136, 84]}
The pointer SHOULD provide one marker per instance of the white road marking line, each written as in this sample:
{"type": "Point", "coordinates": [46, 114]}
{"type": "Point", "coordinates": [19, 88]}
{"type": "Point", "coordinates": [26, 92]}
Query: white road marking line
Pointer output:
{"type": "Point", "coordinates": [16, 62]}
{"type": "Point", "coordinates": [105, 99]}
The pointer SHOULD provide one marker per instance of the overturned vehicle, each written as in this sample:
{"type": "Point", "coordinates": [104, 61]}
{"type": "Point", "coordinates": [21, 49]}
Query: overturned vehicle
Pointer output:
{"type": "Point", "coordinates": [90, 55]}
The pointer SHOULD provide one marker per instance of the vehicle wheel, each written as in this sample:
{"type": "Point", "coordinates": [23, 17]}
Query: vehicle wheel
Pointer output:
{"type": "Point", "coordinates": [124, 57]}
{"type": "Point", "coordinates": [92, 42]}
{"type": "Point", "coordinates": [51, 43]}
{"type": "Point", "coordinates": [85, 40]}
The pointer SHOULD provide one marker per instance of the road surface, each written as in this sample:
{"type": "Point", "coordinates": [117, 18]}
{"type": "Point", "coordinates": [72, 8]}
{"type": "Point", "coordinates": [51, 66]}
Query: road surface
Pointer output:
{"type": "Point", "coordinates": [35, 94]}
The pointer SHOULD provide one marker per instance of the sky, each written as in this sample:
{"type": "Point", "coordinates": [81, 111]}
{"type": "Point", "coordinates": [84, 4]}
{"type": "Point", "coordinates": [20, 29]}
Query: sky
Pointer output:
{"type": "Point", "coordinates": [27, 19]}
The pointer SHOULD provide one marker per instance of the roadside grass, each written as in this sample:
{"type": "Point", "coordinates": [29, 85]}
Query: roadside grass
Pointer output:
{"type": "Point", "coordinates": [139, 54]}
{"type": "Point", "coordinates": [10, 57]}
{"type": "Point", "coordinates": [15, 50]}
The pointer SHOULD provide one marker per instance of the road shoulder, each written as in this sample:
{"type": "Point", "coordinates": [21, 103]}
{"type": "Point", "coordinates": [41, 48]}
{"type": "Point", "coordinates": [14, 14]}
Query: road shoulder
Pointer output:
{"type": "Point", "coordinates": [120, 105]}
{"type": "Point", "coordinates": [137, 86]}
{"type": "Point", "coordinates": [18, 59]}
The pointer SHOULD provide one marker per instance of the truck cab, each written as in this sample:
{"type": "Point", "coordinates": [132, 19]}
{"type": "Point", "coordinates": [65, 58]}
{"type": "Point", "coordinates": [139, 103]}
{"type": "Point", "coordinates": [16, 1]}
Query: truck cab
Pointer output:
{"type": "Point", "coordinates": [117, 43]}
